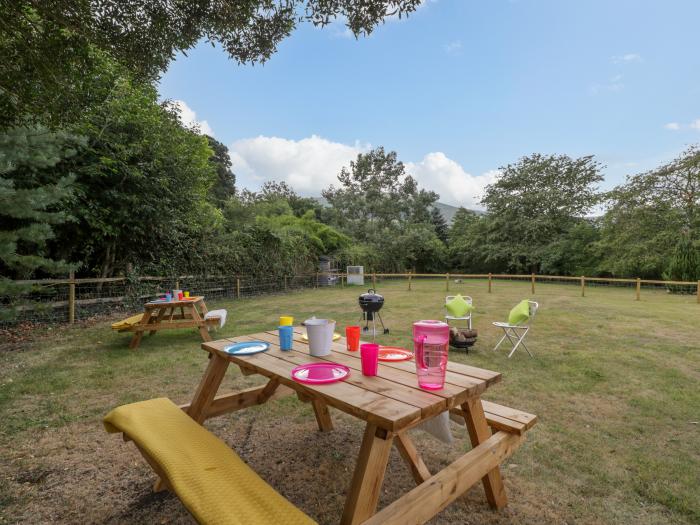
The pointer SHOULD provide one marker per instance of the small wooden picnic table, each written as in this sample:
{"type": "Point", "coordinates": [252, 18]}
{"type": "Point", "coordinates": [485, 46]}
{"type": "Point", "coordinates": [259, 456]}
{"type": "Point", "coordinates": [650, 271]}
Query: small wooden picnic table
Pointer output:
{"type": "Point", "coordinates": [162, 315]}
{"type": "Point", "coordinates": [390, 404]}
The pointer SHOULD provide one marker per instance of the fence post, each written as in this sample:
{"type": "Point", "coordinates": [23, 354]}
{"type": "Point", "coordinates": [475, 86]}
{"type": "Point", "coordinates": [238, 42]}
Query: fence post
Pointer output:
{"type": "Point", "coordinates": [71, 297]}
{"type": "Point", "coordinates": [639, 287]}
{"type": "Point", "coordinates": [374, 280]}
{"type": "Point", "coordinates": [490, 277]}
{"type": "Point", "coordinates": [447, 282]}
{"type": "Point", "coordinates": [285, 283]}
{"type": "Point", "coordinates": [238, 287]}
{"type": "Point", "coordinates": [316, 281]}
{"type": "Point", "coordinates": [409, 285]}
{"type": "Point", "coordinates": [533, 284]}
{"type": "Point", "coordinates": [583, 286]}
{"type": "Point", "coordinates": [699, 292]}
{"type": "Point", "coordinates": [342, 281]}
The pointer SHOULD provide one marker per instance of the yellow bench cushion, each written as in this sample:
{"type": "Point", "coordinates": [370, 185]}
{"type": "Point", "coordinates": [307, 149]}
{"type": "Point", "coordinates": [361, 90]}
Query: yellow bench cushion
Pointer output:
{"type": "Point", "coordinates": [127, 323]}
{"type": "Point", "coordinates": [213, 483]}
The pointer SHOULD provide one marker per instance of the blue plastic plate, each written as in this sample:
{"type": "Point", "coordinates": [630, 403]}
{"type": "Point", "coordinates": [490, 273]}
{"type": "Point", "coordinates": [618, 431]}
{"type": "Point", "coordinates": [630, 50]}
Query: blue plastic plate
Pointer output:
{"type": "Point", "coordinates": [250, 347]}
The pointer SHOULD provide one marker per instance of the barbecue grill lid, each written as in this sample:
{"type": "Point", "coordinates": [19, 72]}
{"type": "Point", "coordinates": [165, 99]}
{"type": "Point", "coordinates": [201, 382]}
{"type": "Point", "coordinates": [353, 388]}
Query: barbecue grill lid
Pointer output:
{"type": "Point", "coordinates": [371, 296]}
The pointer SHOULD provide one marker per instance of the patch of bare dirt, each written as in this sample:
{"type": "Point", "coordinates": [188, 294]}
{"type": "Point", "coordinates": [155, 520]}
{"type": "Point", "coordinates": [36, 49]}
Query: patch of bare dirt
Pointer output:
{"type": "Point", "coordinates": [81, 474]}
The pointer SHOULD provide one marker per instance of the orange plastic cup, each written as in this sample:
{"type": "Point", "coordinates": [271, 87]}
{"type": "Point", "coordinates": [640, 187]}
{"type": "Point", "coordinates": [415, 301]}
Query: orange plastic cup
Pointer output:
{"type": "Point", "coordinates": [352, 337]}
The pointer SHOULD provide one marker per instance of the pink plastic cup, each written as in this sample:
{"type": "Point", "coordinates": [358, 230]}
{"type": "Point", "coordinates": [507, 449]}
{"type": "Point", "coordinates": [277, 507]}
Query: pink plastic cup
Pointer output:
{"type": "Point", "coordinates": [369, 355]}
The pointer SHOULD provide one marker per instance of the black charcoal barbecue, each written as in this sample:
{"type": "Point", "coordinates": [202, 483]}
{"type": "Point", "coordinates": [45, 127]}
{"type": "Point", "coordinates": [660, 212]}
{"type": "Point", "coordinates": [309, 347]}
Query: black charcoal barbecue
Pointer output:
{"type": "Point", "coordinates": [370, 303]}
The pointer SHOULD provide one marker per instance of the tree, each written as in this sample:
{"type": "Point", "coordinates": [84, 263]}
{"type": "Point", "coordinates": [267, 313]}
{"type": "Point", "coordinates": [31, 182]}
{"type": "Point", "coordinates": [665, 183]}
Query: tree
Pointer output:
{"type": "Point", "coordinates": [534, 203]}
{"type": "Point", "coordinates": [146, 36]}
{"type": "Point", "coordinates": [376, 197]}
{"type": "Point", "coordinates": [467, 236]}
{"type": "Point", "coordinates": [225, 186]}
{"type": "Point", "coordinates": [381, 207]}
{"type": "Point", "coordinates": [439, 224]}
{"type": "Point", "coordinates": [684, 264]}
{"type": "Point", "coordinates": [576, 252]}
{"type": "Point", "coordinates": [324, 239]}
{"type": "Point", "coordinates": [29, 208]}
{"type": "Point", "coordinates": [650, 215]}
{"type": "Point", "coordinates": [417, 247]}
{"type": "Point", "coordinates": [141, 189]}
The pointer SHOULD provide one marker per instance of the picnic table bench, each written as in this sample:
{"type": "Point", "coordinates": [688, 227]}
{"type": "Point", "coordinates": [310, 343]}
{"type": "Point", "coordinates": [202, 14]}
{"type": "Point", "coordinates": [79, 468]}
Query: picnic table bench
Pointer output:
{"type": "Point", "coordinates": [167, 315]}
{"type": "Point", "coordinates": [390, 404]}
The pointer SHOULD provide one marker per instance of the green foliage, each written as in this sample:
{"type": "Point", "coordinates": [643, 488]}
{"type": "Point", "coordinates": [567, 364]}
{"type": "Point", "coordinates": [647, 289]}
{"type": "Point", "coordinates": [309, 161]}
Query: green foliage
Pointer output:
{"type": "Point", "coordinates": [380, 206]}
{"type": "Point", "coordinates": [439, 224]}
{"type": "Point", "coordinates": [649, 215]}
{"type": "Point", "coordinates": [358, 254]}
{"type": "Point", "coordinates": [417, 247]}
{"type": "Point", "coordinates": [225, 186]}
{"type": "Point", "coordinates": [139, 192]}
{"type": "Point", "coordinates": [145, 36]}
{"type": "Point", "coordinates": [324, 239]}
{"type": "Point", "coordinates": [685, 262]}
{"type": "Point", "coordinates": [29, 207]}
{"type": "Point", "coordinates": [467, 236]}
{"type": "Point", "coordinates": [576, 252]}
{"type": "Point", "coordinates": [142, 186]}
{"type": "Point", "coordinates": [534, 203]}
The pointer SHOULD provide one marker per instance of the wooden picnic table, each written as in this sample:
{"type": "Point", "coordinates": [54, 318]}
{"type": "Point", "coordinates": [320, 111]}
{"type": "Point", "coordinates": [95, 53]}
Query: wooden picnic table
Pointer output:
{"type": "Point", "coordinates": [164, 315]}
{"type": "Point", "coordinates": [390, 404]}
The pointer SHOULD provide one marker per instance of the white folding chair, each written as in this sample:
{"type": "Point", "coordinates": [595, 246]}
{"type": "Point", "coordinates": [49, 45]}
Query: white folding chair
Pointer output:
{"type": "Point", "coordinates": [515, 333]}
{"type": "Point", "coordinates": [467, 317]}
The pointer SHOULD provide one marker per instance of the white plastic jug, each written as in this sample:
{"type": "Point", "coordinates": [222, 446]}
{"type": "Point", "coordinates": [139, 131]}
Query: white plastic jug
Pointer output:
{"type": "Point", "coordinates": [320, 333]}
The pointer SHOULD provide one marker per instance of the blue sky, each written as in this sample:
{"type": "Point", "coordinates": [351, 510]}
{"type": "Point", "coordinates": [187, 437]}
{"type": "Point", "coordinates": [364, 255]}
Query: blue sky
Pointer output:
{"type": "Point", "coordinates": [458, 89]}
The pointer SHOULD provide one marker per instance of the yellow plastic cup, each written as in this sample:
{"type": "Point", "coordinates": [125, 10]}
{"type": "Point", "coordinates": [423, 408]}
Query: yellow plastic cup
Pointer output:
{"type": "Point", "coordinates": [286, 320]}
{"type": "Point", "coordinates": [187, 294]}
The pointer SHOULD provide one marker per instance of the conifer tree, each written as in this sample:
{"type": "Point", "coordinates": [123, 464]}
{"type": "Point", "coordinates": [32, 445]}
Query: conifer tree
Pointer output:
{"type": "Point", "coordinates": [438, 221]}
{"type": "Point", "coordinates": [28, 204]}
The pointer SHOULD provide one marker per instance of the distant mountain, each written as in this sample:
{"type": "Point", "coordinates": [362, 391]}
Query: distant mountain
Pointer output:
{"type": "Point", "coordinates": [448, 211]}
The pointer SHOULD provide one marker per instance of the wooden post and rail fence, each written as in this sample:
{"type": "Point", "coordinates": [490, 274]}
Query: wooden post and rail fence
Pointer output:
{"type": "Point", "coordinates": [72, 282]}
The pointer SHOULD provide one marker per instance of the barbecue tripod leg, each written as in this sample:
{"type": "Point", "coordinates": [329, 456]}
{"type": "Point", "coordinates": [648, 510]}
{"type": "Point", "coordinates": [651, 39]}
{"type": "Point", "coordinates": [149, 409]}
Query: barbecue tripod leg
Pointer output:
{"type": "Point", "coordinates": [384, 328]}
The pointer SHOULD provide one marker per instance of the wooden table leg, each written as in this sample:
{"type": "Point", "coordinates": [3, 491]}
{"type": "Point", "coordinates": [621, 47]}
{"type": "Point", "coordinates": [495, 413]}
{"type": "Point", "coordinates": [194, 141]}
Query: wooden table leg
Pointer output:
{"type": "Point", "coordinates": [408, 452]}
{"type": "Point", "coordinates": [208, 386]}
{"type": "Point", "coordinates": [323, 415]}
{"type": "Point", "coordinates": [479, 432]}
{"type": "Point", "coordinates": [138, 333]}
{"type": "Point", "coordinates": [203, 307]}
{"type": "Point", "coordinates": [161, 314]}
{"type": "Point", "coordinates": [200, 323]}
{"type": "Point", "coordinates": [367, 480]}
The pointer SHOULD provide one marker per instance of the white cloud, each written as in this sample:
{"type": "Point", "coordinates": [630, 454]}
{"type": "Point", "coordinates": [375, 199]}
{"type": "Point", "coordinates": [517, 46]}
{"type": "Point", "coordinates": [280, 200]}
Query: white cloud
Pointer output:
{"type": "Point", "coordinates": [308, 165]}
{"type": "Point", "coordinates": [628, 58]}
{"type": "Point", "coordinates": [439, 173]}
{"type": "Point", "coordinates": [189, 118]}
{"type": "Point", "coordinates": [454, 47]}
{"type": "Point", "coordinates": [312, 164]}
{"type": "Point", "coordinates": [675, 126]}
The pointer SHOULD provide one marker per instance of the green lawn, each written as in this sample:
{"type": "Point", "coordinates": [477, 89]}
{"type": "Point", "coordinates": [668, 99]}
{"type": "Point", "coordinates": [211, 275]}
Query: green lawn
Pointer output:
{"type": "Point", "coordinates": [615, 383]}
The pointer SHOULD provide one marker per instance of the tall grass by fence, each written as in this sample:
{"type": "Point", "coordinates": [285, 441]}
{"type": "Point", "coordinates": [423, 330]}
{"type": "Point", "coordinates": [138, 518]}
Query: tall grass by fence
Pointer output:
{"type": "Point", "coordinates": [68, 300]}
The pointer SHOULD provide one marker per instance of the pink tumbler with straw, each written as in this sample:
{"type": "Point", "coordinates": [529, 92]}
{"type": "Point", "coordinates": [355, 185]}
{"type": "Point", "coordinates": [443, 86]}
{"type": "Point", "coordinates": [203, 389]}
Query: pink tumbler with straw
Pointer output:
{"type": "Point", "coordinates": [369, 355]}
{"type": "Point", "coordinates": [431, 344]}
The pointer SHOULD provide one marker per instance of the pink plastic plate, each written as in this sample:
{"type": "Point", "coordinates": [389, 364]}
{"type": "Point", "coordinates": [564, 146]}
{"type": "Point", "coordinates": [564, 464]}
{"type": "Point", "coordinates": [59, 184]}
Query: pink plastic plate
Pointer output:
{"type": "Point", "coordinates": [394, 353]}
{"type": "Point", "coordinates": [320, 373]}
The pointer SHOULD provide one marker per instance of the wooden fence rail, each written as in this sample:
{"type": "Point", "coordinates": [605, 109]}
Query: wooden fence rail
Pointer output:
{"type": "Point", "coordinates": [410, 277]}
